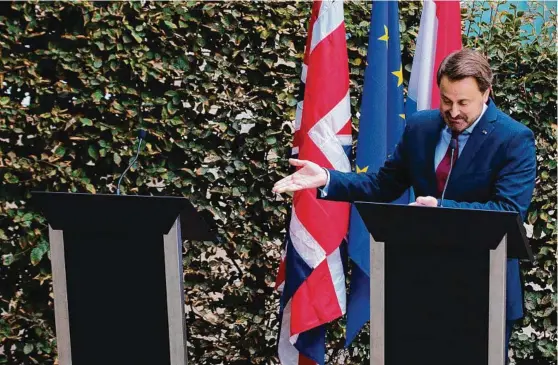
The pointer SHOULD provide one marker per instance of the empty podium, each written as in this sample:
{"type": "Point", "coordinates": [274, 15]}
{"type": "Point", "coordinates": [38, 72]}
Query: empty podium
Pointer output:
{"type": "Point", "coordinates": [117, 276]}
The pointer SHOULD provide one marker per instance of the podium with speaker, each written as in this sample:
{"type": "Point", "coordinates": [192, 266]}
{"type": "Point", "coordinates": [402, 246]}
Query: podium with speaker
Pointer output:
{"type": "Point", "coordinates": [438, 283]}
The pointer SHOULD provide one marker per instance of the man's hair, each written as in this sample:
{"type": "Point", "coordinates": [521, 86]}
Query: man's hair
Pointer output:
{"type": "Point", "coordinates": [466, 63]}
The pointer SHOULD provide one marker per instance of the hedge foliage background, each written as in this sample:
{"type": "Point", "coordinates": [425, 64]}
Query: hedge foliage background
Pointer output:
{"type": "Point", "coordinates": [217, 84]}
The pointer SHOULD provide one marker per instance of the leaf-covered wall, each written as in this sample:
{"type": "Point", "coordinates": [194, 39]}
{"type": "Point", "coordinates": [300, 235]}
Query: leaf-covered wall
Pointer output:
{"type": "Point", "coordinates": [215, 85]}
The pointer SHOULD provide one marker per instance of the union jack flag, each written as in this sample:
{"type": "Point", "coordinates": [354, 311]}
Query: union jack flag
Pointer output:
{"type": "Point", "coordinates": [311, 274]}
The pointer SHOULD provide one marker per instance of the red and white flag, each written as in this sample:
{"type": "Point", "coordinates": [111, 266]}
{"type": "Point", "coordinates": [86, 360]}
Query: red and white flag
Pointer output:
{"type": "Point", "coordinates": [311, 273]}
{"type": "Point", "coordinates": [439, 35]}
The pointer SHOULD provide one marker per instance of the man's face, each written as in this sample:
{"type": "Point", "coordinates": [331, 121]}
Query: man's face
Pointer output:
{"type": "Point", "coordinates": [461, 102]}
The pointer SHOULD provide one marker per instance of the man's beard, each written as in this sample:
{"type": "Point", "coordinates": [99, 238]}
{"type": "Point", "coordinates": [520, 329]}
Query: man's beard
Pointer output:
{"type": "Point", "coordinates": [454, 123]}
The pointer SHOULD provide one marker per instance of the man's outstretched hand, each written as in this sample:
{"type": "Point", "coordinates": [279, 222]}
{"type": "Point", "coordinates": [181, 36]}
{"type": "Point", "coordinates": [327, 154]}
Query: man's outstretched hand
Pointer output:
{"type": "Point", "coordinates": [309, 176]}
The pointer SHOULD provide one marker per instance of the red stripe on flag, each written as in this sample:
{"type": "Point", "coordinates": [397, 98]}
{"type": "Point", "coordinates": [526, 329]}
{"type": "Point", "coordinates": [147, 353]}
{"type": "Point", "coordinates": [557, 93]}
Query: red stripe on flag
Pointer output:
{"type": "Point", "coordinates": [315, 302]}
{"type": "Point", "coordinates": [327, 80]}
{"type": "Point", "coordinates": [281, 274]}
{"type": "Point", "coordinates": [296, 139]}
{"type": "Point", "coordinates": [347, 128]}
{"type": "Point", "coordinates": [315, 12]}
{"type": "Point", "coordinates": [448, 39]}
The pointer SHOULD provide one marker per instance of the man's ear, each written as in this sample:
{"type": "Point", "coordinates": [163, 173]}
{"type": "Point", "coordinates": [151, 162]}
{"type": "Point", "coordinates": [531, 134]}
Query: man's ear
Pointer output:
{"type": "Point", "coordinates": [486, 95]}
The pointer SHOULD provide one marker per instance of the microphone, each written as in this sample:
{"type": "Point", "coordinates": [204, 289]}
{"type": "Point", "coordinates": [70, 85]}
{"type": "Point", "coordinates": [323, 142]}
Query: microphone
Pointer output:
{"type": "Point", "coordinates": [141, 136]}
{"type": "Point", "coordinates": [453, 146]}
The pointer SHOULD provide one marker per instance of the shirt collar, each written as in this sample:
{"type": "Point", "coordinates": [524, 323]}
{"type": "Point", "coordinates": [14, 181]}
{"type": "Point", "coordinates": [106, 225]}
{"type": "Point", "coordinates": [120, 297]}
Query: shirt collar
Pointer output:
{"type": "Point", "coordinates": [469, 130]}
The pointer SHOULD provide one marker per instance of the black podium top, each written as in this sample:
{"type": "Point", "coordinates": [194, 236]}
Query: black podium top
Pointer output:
{"type": "Point", "coordinates": [405, 224]}
{"type": "Point", "coordinates": [104, 212]}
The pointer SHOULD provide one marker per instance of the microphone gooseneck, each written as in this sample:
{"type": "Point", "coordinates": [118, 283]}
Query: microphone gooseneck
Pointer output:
{"type": "Point", "coordinates": [141, 135]}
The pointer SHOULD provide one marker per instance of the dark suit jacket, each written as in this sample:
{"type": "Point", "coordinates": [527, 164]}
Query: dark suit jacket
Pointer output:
{"type": "Point", "coordinates": [495, 171]}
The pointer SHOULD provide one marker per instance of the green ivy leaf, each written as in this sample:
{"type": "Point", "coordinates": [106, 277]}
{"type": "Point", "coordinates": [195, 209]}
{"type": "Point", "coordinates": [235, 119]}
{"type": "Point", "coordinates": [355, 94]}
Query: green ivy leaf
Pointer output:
{"type": "Point", "coordinates": [90, 188]}
{"type": "Point", "coordinates": [116, 158]}
{"type": "Point", "coordinates": [93, 153]}
{"type": "Point", "coordinates": [28, 348]}
{"type": "Point", "coordinates": [60, 151]}
{"type": "Point", "coordinates": [170, 24]}
{"type": "Point", "coordinates": [136, 36]}
{"type": "Point", "coordinates": [97, 96]}
{"type": "Point", "coordinates": [86, 121]}
{"type": "Point", "coordinates": [171, 108]}
{"type": "Point", "coordinates": [37, 253]}
{"type": "Point", "coordinates": [11, 178]}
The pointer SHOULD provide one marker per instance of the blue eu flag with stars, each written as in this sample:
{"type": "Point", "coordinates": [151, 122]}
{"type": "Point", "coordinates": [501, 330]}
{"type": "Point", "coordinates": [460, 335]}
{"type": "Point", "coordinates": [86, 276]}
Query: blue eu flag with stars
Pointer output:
{"type": "Point", "coordinates": [381, 125]}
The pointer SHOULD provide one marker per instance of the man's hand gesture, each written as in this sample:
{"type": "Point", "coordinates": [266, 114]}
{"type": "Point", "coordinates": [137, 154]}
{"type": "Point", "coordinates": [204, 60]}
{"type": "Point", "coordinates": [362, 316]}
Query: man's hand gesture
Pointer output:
{"type": "Point", "coordinates": [309, 176]}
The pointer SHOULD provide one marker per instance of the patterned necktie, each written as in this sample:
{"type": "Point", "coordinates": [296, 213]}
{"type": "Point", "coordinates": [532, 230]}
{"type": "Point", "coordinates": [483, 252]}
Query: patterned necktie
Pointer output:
{"type": "Point", "coordinates": [443, 169]}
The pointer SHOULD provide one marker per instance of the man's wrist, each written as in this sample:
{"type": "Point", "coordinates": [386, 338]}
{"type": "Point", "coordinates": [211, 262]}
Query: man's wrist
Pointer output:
{"type": "Point", "coordinates": [326, 180]}
{"type": "Point", "coordinates": [322, 190]}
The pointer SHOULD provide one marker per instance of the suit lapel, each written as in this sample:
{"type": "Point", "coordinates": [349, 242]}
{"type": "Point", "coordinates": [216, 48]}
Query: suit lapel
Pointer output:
{"type": "Point", "coordinates": [478, 136]}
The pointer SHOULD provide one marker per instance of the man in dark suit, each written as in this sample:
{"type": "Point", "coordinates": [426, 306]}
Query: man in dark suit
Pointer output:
{"type": "Point", "coordinates": [491, 157]}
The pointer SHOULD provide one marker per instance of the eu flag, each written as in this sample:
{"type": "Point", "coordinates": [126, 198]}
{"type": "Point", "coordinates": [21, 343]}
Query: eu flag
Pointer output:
{"type": "Point", "coordinates": [381, 125]}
